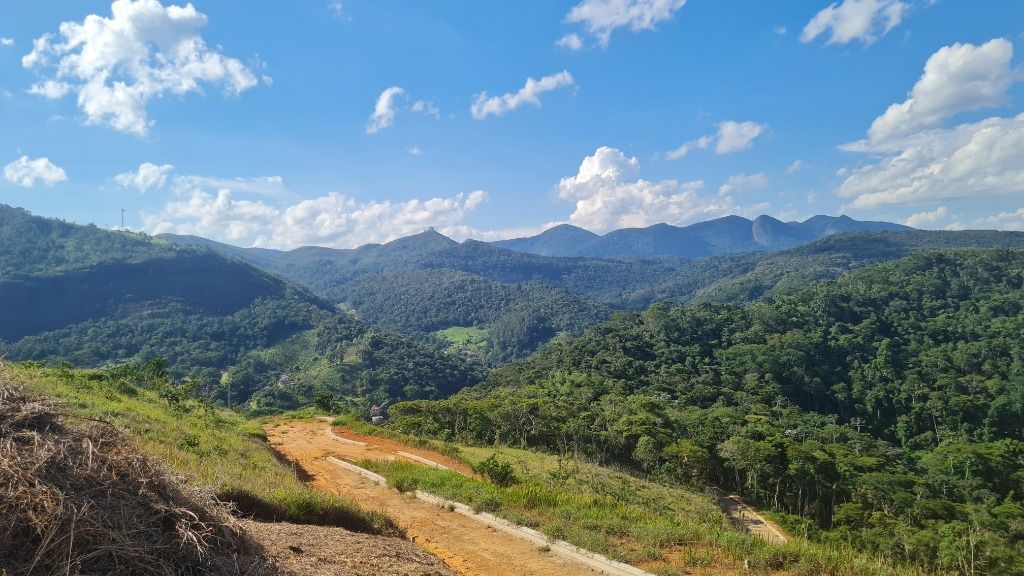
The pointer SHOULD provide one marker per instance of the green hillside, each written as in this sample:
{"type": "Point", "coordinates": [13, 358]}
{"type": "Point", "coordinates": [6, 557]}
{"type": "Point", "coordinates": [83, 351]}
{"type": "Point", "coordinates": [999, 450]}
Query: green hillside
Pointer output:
{"type": "Point", "coordinates": [94, 297]}
{"type": "Point", "coordinates": [884, 410]}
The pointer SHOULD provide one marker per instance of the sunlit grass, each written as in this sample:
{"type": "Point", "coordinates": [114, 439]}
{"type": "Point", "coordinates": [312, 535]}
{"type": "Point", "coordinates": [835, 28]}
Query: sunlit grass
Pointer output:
{"type": "Point", "coordinates": [211, 447]}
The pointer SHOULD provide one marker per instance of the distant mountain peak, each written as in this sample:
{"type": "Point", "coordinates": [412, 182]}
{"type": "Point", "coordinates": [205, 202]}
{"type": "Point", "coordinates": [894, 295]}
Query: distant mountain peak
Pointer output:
{"type": "Point", "coordinates": [724, 235]}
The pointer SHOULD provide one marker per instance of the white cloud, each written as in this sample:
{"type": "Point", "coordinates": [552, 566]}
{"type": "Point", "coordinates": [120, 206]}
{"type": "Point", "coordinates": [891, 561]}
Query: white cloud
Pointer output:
{"type": "Point", "coordinates": [956, 78]}
{"type": "Point", "coordinates": [50, 89]}
{"type": "Point", "coordinates": [780, 30]}
{"type": "Point", "coordinates": [6, 41]}
{"type": "Point", "coordinates": [336, 8]}
{"type": "Point", "coordinates": [383, 114]}
{"type": "Point", "coordinates": [864, 20]}
{"type": "Point", "coordinates": [147, 176]}
{"type": "Point", "coordinates": [701, 143]}
{"type": "Point", "coordinates": [332, 220]}
{"type": "Point", "coordinates": [570, 42]}
{"type": "Point", "coordinates": [737, 136]}
{"type": "Point", "coordinates": [602, 17]}
{"type": "Point", "coordinates": [426, 107]}
{"type": "Point", "coordinates": [731, 137]}
{"type": "Point", "coordinates": [970, 160]}
{"type": "Point", "coordinates": [484, 105]}
{"type": "Point", "coordinates": [795, 167]}
{"type": "Point", "coordinates": [26, 172]}
{"type": "Point", "coordinates": [415, 151]}
{"type": "Point", "coordinates": [609, 194]}
{"type": "Point", "coordinates": [1002, 221]}
{"type": "Point", "coordinates": [143, 51]}
{"type": "Point", "coordinates": [917, 161]}
{"type": "Point", "coordinates": [740, 182]}
{"type": "Point", "coordinates": [919, 219]}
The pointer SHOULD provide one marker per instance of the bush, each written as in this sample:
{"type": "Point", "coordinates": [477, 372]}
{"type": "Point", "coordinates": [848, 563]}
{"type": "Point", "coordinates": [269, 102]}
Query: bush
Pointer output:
{"type": "Point", "coordinates": [497, 471]}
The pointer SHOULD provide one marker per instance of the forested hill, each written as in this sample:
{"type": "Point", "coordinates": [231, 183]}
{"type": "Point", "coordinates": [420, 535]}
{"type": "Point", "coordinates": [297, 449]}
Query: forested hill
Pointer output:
{"type": "Point", "coordinates": [514, 302]}
{"type": "Point", "coordinates": [427, 283]}
{"type": "Point", "coordinates": [94, 297]}
{"type": "Point", "coordinates": [726, 235]}
{"type": "Point", "coordinates": [884, 409]}
{"type": "Point", "coordinates": [748, 277]}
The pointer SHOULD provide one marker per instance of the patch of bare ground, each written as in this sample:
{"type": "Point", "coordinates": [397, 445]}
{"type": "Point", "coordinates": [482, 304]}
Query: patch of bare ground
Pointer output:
{"type": "Point", "coordinates": [303, 550]}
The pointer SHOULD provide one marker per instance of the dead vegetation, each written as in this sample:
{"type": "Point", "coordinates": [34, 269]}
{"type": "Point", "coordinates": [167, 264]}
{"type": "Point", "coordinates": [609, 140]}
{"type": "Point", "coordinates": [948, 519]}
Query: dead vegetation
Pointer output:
{"type": "Point", "coordinates": [77, 498]}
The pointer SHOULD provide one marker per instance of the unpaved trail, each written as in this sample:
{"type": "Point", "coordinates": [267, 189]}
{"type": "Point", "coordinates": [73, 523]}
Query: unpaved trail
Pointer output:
{"type": "Point", "coordinates": [467, 546]}
{"type": "Point", "coordinates": [747, 519]}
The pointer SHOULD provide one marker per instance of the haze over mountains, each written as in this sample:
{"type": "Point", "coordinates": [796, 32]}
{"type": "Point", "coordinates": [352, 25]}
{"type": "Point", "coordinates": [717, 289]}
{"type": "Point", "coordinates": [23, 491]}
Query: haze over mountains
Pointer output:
{"type": "Point", "coordinates": [719, 236]}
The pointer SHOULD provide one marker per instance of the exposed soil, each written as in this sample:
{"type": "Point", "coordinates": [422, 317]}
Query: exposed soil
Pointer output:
{"type": "Point", "coordinates": [301, 550]}
{"type": "Point", "coordinates": [467, 546]}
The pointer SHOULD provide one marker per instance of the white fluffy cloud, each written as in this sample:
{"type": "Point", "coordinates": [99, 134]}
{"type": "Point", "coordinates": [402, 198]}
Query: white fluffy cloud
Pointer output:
{"type": "Point", "coordinates": [6, 41]}
{"type": "Point", "coordinates": [795, 167]}
{"type": "Point", "coordinates": [737, 136]}
{"type": "Point", "coordinates": [570, 42]}
{"type": "Point", "coordinates": [609, 194]}
{"type": "Point", "coordinates": [383, 114]}
{"type": "Point", "coordinates": [26, 172]}
{"type": "Point", "coordinates": [731, 137]}
{"type": "Point", "coordinates": [970, 160]}
{"type": "Point", "coordinates": [144, 50]}
{"type": "Point", "coordinates": [485, 105]}
{"type": "Point", "coordinates": [602, 17]}
{"type": "Point", "coordinates": [919, 161]}
{"type": "Point", "coordinates": [864, 20]}
{"type": "Point", "coordinates": [147, 176]}
{"type": "Point", "coordinates": [920, 219]}
{"type": "Point", "coordinates": [331, 220]}
{"type": "Point", "coordinates": [956, 78]}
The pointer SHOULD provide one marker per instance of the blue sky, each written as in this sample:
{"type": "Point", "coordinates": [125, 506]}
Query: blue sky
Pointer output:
{"type": "Point", "coordinates": [254, 123]}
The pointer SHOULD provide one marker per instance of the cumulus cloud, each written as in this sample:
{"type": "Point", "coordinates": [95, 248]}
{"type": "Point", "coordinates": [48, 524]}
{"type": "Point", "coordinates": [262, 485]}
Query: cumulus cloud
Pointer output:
{"type": "Point", "coordinates": [863, 20]}
{"type": "Point", "coordinates": [740, 182]}
{"type": "Point", "coordinates": [602, 17]}
{"type": "Point", "coordinates": [609, 194]}
{"type": "Point", "coordinates": [117, 64]}
{"type": "Point", "coordinates": [336, 8]}
{"type": "Point", "coordinates": [332, 220]}
{"type": "Point", "coordinates": [956, 78]}
{"type": "Point", "coordinates": [50, 89]}
{"type": "Point", "coordinates": [970, 160]}
{"type": "Point", "coordinates": [485, 105]}
{"type": "Point", "coordinates": [731, 137]}
{"type": "Point", "coordinates": [6, 41]}
{"type": "Point", "coordinates": [383, 114]}
{"type": "Point", "coordinates": [570, 42]}
{"type": "Point", "coordinates": [916, 160]}
{"type": "Point", "coordinates": [148, 176]}
{"type": "Point", "coordinates": [795, 167]}
{"type": "Point", "coordinates": [26, 172]}
{"type": "Point", "coordinates": [920, 219]}
{"type": "Point", "coordinates": [415, 151]}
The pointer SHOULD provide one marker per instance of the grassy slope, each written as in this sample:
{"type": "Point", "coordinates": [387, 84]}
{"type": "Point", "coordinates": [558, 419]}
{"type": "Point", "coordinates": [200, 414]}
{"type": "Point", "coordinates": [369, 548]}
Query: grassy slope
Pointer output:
{"type": "Point", "coordinates": [669, 530]}
{"type": "Point", "coordinates": [211, 447]}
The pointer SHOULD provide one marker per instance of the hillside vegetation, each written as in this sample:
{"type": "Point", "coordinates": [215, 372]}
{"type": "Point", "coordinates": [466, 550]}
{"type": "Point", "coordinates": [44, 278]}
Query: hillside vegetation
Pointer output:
{"type": "Point", "coordinates": [882, 411]}
{"type": "Point", "coordinates": [95, 297]}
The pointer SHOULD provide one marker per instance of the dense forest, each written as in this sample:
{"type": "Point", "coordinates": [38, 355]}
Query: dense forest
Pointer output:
{"type": "Point", "coordinates": [884, 409]}
{"type": "Point", "coordinates": [95, 297]}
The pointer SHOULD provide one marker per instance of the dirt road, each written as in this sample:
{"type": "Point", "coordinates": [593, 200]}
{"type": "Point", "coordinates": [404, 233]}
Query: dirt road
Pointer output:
{"type": "Point", "coordinates": [466, 545]}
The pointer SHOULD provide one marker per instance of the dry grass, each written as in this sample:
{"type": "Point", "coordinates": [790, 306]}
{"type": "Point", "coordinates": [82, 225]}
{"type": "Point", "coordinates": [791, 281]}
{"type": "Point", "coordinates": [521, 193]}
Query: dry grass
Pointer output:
{"type": "Point", "coordinates": [77, 498]}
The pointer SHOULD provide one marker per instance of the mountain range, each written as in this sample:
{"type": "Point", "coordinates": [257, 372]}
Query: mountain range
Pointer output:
{"type": "Point", "coordinates": [713, 237]}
